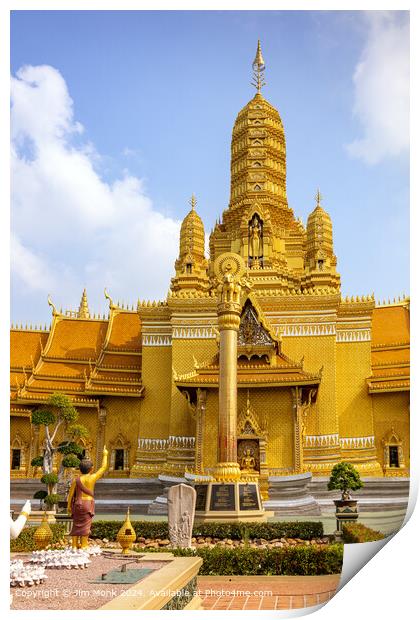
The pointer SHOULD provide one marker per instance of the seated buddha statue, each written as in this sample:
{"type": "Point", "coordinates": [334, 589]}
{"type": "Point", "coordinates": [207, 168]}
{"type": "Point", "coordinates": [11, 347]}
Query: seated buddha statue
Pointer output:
{"type": "Point", "coordinates": [248, 461]}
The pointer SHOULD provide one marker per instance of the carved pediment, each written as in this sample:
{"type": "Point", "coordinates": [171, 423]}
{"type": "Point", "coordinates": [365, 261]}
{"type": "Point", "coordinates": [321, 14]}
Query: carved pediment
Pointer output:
{"type": "Point", "coordinates": [251, 332]}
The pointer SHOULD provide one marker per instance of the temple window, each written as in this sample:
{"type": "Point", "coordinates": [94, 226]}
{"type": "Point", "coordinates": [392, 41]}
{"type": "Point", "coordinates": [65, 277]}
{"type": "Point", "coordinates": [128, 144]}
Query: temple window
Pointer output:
{"type": "Point", "coordinates": [394, 457]}
{"type": "Point", "coordinates": [16, 458]}
{"type": "Point", "coordinates": [394, 460]}
{"type": "Point", "coordinates": [119, 459]}
{"type": "Point", "coordinates": [120, 455]}
{"type": "Point", "coordinates": [188, 267]}
{"type": "Point", "coordinates": [320, 265]}
{"type": "Point", "coordinates": [18, 455]}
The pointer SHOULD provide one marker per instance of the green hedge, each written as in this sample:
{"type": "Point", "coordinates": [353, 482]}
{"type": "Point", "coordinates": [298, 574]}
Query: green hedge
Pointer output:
{"type": "Point", "coordinates": [359, 533]}
{"type": "Point", "coordinates": [25, 540]}
{"type": "Point", "coordinates": [274, 561]}
{"type": "Point", "coordinates": [305, 530]}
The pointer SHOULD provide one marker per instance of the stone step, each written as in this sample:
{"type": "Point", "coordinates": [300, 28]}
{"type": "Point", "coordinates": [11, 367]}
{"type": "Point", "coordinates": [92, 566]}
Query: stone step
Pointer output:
{"type": "Point", "coordinates": [112, 495]}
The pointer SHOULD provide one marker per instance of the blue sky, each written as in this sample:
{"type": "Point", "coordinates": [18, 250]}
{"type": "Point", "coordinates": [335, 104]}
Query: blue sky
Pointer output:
{"type": "Point", "coordinates": [117, 117]}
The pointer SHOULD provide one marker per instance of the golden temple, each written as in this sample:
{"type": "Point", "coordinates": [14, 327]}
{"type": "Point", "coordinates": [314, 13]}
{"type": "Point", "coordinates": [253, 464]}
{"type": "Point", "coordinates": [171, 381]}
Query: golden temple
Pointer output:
{"type": "Point", "coordinates": [320, 378]}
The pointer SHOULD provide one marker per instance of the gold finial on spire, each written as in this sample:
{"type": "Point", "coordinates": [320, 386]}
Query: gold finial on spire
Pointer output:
{"type": "Point", "coordinates": [318, 198]}
{"type": "Point", "coordinates": [83, 312]}
{"type": "Point", "coordinates": [193, 202]}
{"type": "Point", "coordinates": [258, 67]}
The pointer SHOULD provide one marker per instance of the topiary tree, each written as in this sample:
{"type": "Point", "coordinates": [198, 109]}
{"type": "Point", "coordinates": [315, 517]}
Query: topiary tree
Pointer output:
{"type": "Point", "coordinates": [58, 413]}
{"type": "Point", "coordinates": [345, 478]}
{"type": "Point", "coordinates": [41, 495]}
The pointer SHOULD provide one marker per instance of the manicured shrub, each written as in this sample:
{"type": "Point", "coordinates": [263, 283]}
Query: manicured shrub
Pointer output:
{"type": "Point", "coordinates": [70, 448]}
{"type": "Point", "coordinates": [41, 494]}
{"type": "Point", "coordinates": [305, 530]}
{"type": "Point", "coordinates": [49, 479]}
{"type": "Point", "coordinates": [359, 533]}
{"type": "Point", "coordinates": [70, 460]}
{"type": "Point", "coordinates": [305, 560]}
{"type": "Point", "coordinates": [37, 461]}
{"type": "Point", "coordinates": [25, 540]}
{"type": "Point", "coordinates": [52, 498]}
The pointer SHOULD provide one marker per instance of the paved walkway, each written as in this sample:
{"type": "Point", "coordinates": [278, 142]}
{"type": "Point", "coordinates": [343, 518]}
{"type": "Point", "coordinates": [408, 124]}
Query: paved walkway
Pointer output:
{"type": "Point", "coordinates": [265, 592]}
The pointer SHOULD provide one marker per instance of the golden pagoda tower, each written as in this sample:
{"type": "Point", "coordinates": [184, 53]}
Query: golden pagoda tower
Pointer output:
{"type": "Point", "coordinates": [191, 265]}
{"type": "Point", "coordinates": [84, 312]}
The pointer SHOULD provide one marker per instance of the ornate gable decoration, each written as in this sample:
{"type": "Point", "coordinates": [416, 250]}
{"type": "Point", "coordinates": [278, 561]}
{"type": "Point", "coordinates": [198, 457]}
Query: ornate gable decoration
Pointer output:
{"type": "Point", "coordinates": [249, 423]}
{"type": "Point", "coordinates": [251, 332]}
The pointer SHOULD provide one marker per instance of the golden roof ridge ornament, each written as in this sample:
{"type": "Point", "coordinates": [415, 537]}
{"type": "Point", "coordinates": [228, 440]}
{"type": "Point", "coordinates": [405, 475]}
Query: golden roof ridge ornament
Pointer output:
{"type": "Point", "coordinates": [258, 67]}
{"type": "Point", "coordinates": [109, 298]}
{"type": "Point", "coordinates": [54, 309]}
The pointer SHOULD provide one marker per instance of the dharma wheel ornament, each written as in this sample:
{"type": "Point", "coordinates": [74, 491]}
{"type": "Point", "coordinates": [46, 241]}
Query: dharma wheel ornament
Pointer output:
{"type": "Point", "coordinates": [126, 536]}
{"type": "Point", "coordinates": [43, 534]}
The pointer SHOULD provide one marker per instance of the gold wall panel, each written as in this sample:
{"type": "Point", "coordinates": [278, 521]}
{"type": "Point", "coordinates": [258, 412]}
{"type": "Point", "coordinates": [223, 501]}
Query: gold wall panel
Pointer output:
{"type": "Point", "coordinates": [156, 404]}
{"type": "Point", "coordinates": [354, 404]}
{"type": "Point", "coordinates": [318, 351]}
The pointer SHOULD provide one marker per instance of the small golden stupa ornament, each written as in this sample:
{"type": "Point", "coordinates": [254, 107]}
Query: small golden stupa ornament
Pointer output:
{"type": "Point", "coordinates": [43, 534]}
{"type": "Point", "coordinates": [126, 536]}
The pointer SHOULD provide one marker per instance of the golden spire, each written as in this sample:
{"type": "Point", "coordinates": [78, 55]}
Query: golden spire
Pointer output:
{"type": "Point", "coordinates": [83, 307]}
{"type": "Point", "coordinates": [258, 67]}
{"type": "Point", "coordinates": [193, 202]}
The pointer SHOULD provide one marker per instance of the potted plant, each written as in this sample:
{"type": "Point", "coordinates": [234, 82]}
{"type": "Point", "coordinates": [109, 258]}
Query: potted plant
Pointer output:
{"type": "Point", "coordinates": [345, 478]}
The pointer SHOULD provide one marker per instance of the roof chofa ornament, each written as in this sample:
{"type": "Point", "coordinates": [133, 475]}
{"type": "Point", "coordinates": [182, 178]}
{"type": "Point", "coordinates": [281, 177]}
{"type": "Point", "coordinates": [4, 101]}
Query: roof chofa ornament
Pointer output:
{"type": "Point", "coordinates": [54, 309]}
{"type": "Point", "coordinates": [258, 67]}
{"type": "Point", "coordinates": [108, 297]}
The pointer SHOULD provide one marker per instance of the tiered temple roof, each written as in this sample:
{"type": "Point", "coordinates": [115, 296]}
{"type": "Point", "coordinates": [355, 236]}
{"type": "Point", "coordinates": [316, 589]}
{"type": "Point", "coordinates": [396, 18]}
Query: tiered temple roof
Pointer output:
{"type": "Point", "coordinates": [84, 357]}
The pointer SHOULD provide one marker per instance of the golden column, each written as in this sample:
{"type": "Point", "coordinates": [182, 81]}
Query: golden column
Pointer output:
{"type": "Point", "coordinates": [229, 270]}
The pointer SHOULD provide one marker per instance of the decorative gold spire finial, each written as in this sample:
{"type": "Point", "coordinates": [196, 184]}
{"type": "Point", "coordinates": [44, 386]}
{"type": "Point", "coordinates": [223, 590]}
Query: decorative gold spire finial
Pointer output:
{"type": "Point", "coordinates": [258, 66]}
{"type": "Point", "coordinates": [84, 307]}
{"type": "Point", "coordinates": [318, 198]}
{"type": "Point", "coordinates": [193, 202]}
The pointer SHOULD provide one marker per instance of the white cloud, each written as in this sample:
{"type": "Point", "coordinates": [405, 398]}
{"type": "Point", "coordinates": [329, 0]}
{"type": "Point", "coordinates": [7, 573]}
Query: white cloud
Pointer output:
{"type": "Point", "coordinates": [71, 228]}
{"type": "Point", "coordinates": [381, 88]}
{"type": "Point", "coordinates": [32, 270]}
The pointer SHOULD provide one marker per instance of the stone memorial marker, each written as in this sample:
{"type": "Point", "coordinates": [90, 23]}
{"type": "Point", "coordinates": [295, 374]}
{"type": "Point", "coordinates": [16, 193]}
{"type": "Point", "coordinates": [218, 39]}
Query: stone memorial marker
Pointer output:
{"type": "Point", "coordinates": [181, 509]}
